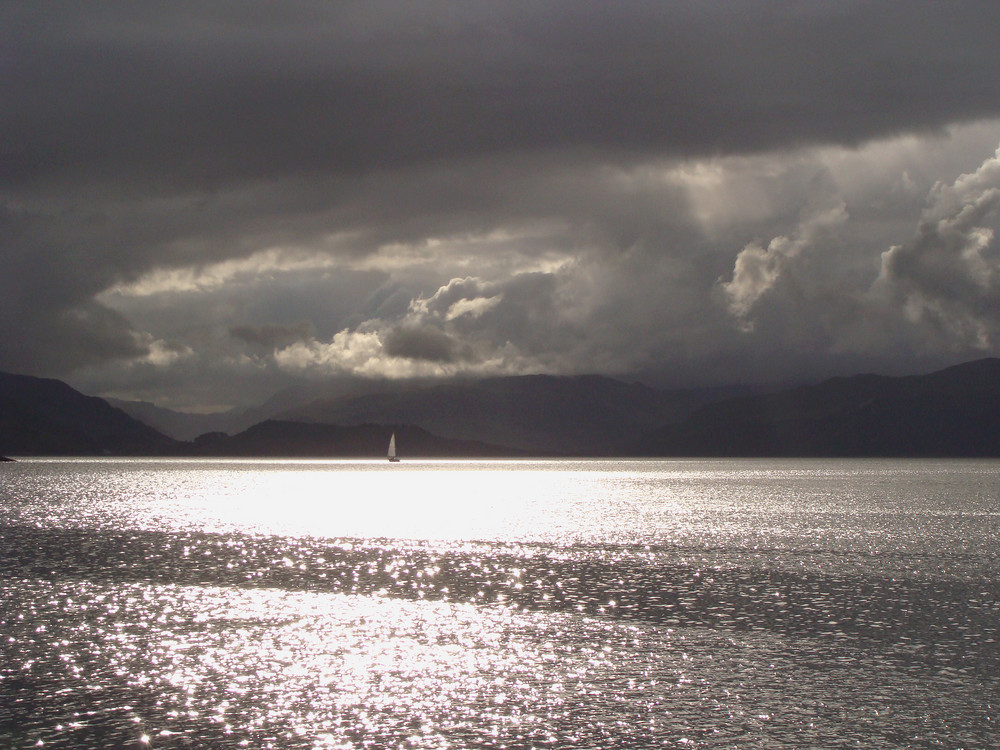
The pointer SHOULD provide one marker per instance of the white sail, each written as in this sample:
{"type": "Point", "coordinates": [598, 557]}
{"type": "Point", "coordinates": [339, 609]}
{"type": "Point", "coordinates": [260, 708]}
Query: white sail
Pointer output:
{"type": "Point", "coordinates": [392, 448]}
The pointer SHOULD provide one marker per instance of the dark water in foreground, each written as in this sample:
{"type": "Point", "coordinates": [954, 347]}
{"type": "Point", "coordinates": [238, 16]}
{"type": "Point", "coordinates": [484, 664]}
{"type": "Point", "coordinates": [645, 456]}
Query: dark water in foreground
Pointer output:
{"type": "Point", "coordinates": [694, 604]}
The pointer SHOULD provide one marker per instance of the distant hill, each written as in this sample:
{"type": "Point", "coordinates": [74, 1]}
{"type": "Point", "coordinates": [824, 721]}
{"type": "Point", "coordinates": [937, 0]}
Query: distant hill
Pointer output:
{"type": "Point", "coordinates": [583, 415]}
{"type": "Point", "coordinates": [46, 417]}
{"type": "Point", "coordinates": [543, 414]}
{"type": "Point", "coordinates": [298, 439]}
{"type": "Point", "coordinates": [43, 417]}
{"type": "Point", "coordinates": [182, 425]}
{"type": "Point", "coordinates": [951, 413]}
{"type": "Point", "coordinates": [187, 426]}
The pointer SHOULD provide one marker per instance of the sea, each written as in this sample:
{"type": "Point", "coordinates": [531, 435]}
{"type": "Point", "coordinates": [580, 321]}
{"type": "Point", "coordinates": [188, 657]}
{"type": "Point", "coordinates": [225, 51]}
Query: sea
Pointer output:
{"type": "Point", "coordinates": [161, 603]}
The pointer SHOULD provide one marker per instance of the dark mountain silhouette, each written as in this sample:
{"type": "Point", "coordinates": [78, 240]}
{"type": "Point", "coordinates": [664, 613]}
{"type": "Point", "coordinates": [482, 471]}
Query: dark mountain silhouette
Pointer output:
{"type": "Point", "coordinates": [46, 417]}
{"type": "Point", "coordinates": [536, 413]}
{"type": "Point", "coordinates": [584, 415]}
{"type": "Point", "coordinates": [187, 426]}
{"type": "Point", "coordinates": [951, 413]}
{"type": "Point", "coordinates": [298, 439]}
{"type": "Point", "coordinates": [42, 417]}
{"type": "Point", "coordinates": [184, 426]}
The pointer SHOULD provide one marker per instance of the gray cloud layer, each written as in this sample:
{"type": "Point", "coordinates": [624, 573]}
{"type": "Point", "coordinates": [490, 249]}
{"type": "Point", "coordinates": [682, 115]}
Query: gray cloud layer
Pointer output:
{"type": "Point", "coordinates": [209, 93]}
{"type": "Point", "coordinates": [201, 200]}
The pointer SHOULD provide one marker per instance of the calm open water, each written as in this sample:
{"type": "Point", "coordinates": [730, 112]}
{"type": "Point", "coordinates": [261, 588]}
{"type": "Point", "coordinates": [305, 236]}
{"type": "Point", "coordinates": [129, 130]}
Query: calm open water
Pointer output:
{"type": "Point", "coordinates": [562, 604]}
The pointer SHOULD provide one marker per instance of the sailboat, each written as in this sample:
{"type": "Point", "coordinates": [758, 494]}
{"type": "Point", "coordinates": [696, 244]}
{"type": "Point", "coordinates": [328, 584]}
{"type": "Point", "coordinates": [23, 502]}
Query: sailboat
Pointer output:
{"type": "Point", "coordinates": [392, 448]}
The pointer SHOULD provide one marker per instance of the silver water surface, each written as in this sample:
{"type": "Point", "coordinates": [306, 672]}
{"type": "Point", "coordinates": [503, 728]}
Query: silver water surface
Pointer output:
{"type": "Point", "coordinates": [499, 604]}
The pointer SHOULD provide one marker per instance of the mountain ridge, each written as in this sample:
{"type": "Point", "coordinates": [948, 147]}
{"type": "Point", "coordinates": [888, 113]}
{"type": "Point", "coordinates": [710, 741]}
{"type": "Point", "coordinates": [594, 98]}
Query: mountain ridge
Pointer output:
{"type": "Point", "coordinates": [316, 440]}
{"type": "Point", "coordinates": [578, 415]}
{"type": "Point", "coordinates": [42, 416]}
{"type": "Point", "coordinates": [954, 412]}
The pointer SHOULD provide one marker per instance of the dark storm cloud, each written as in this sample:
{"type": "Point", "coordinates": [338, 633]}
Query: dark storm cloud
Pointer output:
{"type": "Point", "coordinates": [211, 92]}
{"type": "Point", "coordinates": [564, 186]}
{"type": "Point", "coordinates": [49, 319]}
{"type": "Point", "coordinates": [272, 335]}
{"type": "Point", "coordinates": [430, 344]}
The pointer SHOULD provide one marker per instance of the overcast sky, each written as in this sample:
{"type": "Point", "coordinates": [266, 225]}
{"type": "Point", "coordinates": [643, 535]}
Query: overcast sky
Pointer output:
{"type": "Point", "coordinates": [202, 202]}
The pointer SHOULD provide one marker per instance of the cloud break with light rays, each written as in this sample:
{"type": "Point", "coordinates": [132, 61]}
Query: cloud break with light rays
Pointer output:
{"type": "Point", "coordinates": [200, 206]}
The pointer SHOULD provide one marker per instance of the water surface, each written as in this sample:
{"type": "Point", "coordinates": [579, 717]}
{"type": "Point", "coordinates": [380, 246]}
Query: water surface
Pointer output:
{"type": "Point", "coordinates": [301, 604]}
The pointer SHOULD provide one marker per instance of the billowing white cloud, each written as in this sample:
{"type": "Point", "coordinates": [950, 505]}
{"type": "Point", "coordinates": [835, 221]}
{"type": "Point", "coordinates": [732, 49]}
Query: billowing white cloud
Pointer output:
{"type": "Point", "coordinates": [759, 268]}
{"type": "Point", "coordinates": [947, 277]}
{"type": "Point", "coordinates": [464, 327]}
{"type": "Point", "coordinates": [346, 352]}
{"type": "Point", "coordinates": [456, 292]}
{"type": "Point", "coordinates": [163, 354]}
{"type": "Point", "coordinates": [419, 355]}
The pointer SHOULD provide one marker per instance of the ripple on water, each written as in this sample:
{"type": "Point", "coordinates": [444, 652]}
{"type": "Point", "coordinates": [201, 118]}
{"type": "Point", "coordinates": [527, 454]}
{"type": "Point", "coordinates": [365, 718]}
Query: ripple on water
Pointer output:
{"type": "Point", "coordinates": [355, 644]}
{"type": "Point", "coordinates": [691, 604]}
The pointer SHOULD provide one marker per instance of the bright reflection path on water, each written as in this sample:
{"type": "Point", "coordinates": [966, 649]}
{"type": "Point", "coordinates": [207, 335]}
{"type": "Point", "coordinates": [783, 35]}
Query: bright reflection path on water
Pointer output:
{"type": "Point", "coordinates": [559, 604]}
{"type": "Point", "coordinates": [415, 500]}
{"type": "Point", "coordinates": [428, 500]}
{"type": "Point", "coordinates": [846, 512]}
